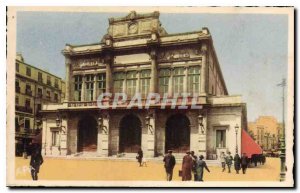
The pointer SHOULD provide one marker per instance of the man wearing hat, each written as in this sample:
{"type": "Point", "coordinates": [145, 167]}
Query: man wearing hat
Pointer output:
{"type": "Point", "coordinates": [187, 165]}
{"type": "Point", "coordinates": [170, 162]}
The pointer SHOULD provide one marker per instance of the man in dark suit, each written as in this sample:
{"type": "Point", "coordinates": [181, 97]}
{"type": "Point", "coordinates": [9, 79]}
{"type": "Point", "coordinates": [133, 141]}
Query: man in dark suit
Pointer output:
{"type": "Point", "coordinates": [35, 162]}
{"type": "Point", "coordinates": [170, 162]}
{"type": "Point", "coordinates": [244, 162]}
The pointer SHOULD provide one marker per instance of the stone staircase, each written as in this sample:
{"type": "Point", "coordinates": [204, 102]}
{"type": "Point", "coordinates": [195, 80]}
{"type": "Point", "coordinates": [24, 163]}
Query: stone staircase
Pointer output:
{"type": "Point", "coordinates": [130, 157]}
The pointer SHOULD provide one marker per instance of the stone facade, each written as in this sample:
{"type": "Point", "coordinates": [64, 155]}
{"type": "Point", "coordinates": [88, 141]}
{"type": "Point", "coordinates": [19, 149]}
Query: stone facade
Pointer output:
{"type": "Point", "coordinates": [137, 55]}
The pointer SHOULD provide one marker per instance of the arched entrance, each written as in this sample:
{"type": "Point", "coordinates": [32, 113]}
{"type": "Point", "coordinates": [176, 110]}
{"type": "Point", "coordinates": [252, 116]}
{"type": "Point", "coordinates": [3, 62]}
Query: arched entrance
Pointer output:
{"type": "Point", "coordinates": [130, 134]}
{"type": "Point", "coordinates": [178, 134]}
{"type": "Point", "coordinates": [87, 134]}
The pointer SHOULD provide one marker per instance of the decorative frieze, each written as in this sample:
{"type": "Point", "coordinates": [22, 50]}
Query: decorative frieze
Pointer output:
{"type": "Point", "coordinates": [179, 54]}
{"type": "Point", "coordinates": [87, 62]}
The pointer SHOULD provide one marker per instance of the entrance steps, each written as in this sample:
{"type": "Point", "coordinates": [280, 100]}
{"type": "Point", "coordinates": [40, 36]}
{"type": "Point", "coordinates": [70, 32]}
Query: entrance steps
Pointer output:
{"type": "Point", "coordinates": [127, 157]}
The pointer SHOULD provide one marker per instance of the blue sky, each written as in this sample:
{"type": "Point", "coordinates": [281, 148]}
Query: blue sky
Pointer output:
{"type": "Point", "coordinates": [251, 48]}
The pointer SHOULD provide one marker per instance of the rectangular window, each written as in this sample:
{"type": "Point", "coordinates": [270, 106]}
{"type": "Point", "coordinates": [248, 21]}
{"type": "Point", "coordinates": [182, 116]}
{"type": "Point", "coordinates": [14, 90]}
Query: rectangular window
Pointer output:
{"type": "Point", "coordinates": [77, 87]}
{"type": "Point", "coordinates": [17, 67]}
{"type": "Point", "coordinates": [89, 78]}
{"type": "Point", "coordinates": [56, 83]}
{"type": "Point", "coordinates": [193, 79]}
{"type": "Point", "coordinates": [28, 89]}
{"type": "Point", "coordinates": [27, 124]}
{"type": "Point", "coordinates": [18, 89]}
{"type": "Point", "coordinates": [118, 82]}
{"type": "Point", "coordinates": [17, 127]}
{"type": "Point", "coordinates": [164, 75]}
{"type": "Point", "coordinates": [56, 97]}
{"type": "Point", "coordinates": [55, 138]}
{"type": "Point", "coordinates": [48, 94]}
{"type": "Point", "coordinates": [28, 71]}
{"type": "Point", "coordinates": [49, 80]}
{"type": "Point", "coordinates": [27, 103]}
{"type": "Point", "coordinates": [40, 77]}
{"type": "Point", "coordinates": [39, 107]}
{"type": "Point", "coordinates": [178, 76]}
{"type": "Point", "coordinates": [131, 83]}
{"type": "Point", "coordinates": [101, 83]}
{"type": "Point", "coordinates": [221, 138]}
{"type": "Point", "coordinates": [40, 92]}
{"type": "Point", "coordinates": [145, 82]}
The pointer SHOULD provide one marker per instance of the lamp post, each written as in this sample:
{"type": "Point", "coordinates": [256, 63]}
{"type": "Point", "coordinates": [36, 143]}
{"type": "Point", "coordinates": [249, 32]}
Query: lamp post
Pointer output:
{"type": "Point", "coordinates": [282, 139]}
{"type": "Point", "coordinates": [236, 142]}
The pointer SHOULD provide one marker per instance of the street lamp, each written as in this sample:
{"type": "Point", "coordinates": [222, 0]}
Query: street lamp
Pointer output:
{"type": "Point", "coordinates": [282, 139]}
{"type": "Point", "coordinates": [200, 121]}
{"type": "Point", "coordinates": [236, 132]}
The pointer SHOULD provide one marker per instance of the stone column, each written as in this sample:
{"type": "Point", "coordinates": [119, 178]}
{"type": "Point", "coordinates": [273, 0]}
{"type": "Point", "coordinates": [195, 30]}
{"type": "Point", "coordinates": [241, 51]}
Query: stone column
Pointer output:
{"type": "Point", "coordinates": [153, 80]}
{"type": "Point", "coordinates": [68, 82]}
{"type": "Point", "coordinates": [202, 135]}
{"type": "Point", "coordinates": [95, 91]}
{"type": "Point", "coordinates": [203, 74]}
{"type": "Point", "coordinates": [108, 75]}
{"type": "Point", "coordinates": [103, 136]}
{"type": "Point", "coordinates": [83, 89]}
{"type": "Point", "coordinates": [170, 88]}
{"type": "Point", "coordinates": [138, 89]}
{"type": "Point", "coordinates": [185, 80]}
{"type": "Point", "coordinates": [44, 136]}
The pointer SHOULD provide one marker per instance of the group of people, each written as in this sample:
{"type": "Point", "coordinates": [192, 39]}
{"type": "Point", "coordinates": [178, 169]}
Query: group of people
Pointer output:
{"type": "Point", "coordinates": [190, 164]}
{"type": "Point", "coordinates": [239, 162]}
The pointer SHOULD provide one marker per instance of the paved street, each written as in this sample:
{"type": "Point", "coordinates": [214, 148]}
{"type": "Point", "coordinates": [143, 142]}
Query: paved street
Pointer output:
{"type": "Point", "coordinates": [63, 169]}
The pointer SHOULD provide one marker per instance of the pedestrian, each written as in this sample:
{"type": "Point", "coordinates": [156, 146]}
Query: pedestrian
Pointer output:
{"type": "Point", "coordinates": [222, 159]}
{"type": "Point", "coordinates": [244, 162]}
{"type": "Point", "coordinates": [229, 159]}
{"type": "Point", "coordinates": [139, 156]}
{"type": "Point", "coordinates": [35, 162]}
{"type": "Point", "coordinates": [200, 165]}
{"type": "Point", "coordinates": [194, 157]}
{"type": "Point", "coordinates": [187, 165]}
{"type": "Point", "coordinates": [170, 162]}
{"type": "Point", "coordinates": [237, 163]}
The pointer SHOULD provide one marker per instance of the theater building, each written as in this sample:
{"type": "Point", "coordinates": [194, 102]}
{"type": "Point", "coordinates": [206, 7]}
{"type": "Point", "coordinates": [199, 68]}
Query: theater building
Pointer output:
{"type": "Point", "coordinates": [137, 55]}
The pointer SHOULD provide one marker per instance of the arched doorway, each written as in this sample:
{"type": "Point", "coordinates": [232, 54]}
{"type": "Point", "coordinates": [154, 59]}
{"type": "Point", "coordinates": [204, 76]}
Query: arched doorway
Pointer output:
{"type": "Point", "coordinates": [178, 133]}
{"type": "Point", "coordinates": [130, 134]}
{"type": "Point", "coordinates": [87, 134]}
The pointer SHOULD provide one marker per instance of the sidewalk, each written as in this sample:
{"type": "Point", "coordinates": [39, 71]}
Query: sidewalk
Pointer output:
{"type": "Point", "coordinates": [80, 169]}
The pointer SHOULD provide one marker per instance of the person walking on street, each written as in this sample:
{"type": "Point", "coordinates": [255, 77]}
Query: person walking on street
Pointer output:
{"type": "Point", "coordinates": [35, 162]}
{"type": "Point", "coordinates": [187, 165]}
{"type": "Point", "coordinates": [170, 162]}
{"type": "Point", "coordinates": [222, 159]}
{"type": "Point", "coordinates": [237, 163]}
{"type": "Point", "coordinates": [229, 159]}
{"type": "Point", "coordinates": [200, 165]}
{"type": "Point", "coordinates": [194, 157]}
{"type": "Point", "coordinates": [244, 162]}
{"type": "Point", "coordinates": [139, 156]}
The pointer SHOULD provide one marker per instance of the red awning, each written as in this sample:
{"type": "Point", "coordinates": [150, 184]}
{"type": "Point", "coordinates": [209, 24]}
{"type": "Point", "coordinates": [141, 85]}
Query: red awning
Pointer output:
{"type": "Point", "coordinates": [249, 146]}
